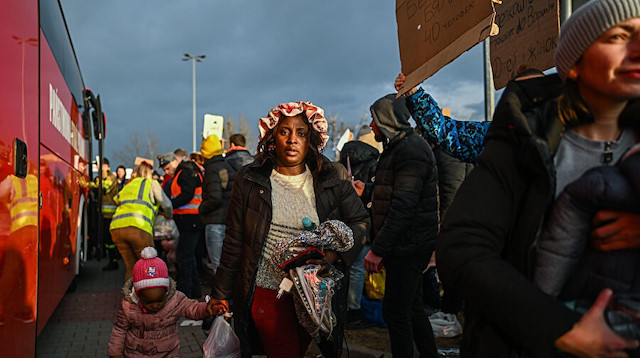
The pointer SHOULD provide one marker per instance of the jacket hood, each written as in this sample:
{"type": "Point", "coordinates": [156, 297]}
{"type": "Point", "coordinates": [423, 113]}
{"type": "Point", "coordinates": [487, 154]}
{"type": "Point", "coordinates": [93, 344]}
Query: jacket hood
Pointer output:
{"type": "Point", "coordinates": [390, 115]}
{"type": "Point", "coordinates": [358, 152]}
{"type": "Point", "coordinates": [129, 294]}
{"type": "Point", "coordinates": [214, 159]}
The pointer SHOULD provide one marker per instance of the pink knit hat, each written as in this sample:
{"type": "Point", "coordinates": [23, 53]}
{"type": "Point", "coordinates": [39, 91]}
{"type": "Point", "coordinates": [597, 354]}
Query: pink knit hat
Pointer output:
{"type": "Point", "coordinates": [150, 271]}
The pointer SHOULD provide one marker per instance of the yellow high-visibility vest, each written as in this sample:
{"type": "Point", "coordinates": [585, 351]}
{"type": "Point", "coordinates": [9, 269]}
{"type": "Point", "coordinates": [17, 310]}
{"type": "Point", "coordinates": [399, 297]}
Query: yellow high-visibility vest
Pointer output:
{"type": "Point", "coordinates": [135, 206]}
{"type": "Point", "coordinates": [110, 189]}
{"type": "Point", "coordinates": [24, 206]}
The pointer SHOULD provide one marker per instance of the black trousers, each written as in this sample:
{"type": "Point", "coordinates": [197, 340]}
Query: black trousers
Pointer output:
{"type": "Point", "coordinates": [403, 310]}
{"type": "Point", "coordinates": [188, 281]}
{"type": "Point", "coordinates": [112, 250]}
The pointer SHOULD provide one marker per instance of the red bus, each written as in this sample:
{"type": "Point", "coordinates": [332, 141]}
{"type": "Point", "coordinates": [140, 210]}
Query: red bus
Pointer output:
{"type": "Point", "coordinates": [44, 154]}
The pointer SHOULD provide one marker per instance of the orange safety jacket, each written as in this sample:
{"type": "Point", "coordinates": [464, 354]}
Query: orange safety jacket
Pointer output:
{"type": "Point", "coordinates": [190, 208]}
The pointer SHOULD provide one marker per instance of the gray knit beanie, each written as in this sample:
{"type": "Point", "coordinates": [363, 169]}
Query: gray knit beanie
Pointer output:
{"type": "Point", "coordinates": [587, 24]}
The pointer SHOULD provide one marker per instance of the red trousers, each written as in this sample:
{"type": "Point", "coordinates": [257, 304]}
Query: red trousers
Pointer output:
{"type": "Point", "coordinates": [281, 334]}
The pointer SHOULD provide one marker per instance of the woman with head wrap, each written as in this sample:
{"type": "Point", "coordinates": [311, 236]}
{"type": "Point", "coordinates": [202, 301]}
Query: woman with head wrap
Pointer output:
{"type": "Point", "coordinates": [289, 180]}
{"type": "Point", "coordinates": [546, 133]}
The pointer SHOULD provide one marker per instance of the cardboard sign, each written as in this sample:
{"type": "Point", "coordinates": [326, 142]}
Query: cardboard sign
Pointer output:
{"type": "Point", "coordinates": [139, 160]}
{"type": "Point", "coordinates": [432, 33]}
{"type": "Point", "coordinates": [213, 124]}
{"type": "Point", "coordinates": [528, 37]}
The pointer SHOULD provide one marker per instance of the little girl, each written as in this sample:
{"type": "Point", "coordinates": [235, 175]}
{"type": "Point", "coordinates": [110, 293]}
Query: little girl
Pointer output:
{"type": "Point", "coordinates": [145, 325]}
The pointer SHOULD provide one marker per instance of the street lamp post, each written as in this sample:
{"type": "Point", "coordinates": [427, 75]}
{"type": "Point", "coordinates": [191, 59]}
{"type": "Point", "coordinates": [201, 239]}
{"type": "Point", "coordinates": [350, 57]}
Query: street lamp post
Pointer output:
{"type": "Point", "coordinates": [198, 58]}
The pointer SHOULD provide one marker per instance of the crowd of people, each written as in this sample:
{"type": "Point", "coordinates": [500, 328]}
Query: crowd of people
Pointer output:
{"type": "Point", "coordinates": [532, 219]}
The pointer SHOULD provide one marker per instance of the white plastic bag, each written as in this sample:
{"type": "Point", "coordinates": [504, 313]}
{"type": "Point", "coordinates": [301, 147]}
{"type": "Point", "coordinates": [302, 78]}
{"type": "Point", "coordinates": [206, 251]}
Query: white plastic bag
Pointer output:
{"type": "Point", "coordinates": [222, 342]}
{"type": "Point", "coordinates": [445, 325]}
{"type": "Point", "coordinates": [165, 229]}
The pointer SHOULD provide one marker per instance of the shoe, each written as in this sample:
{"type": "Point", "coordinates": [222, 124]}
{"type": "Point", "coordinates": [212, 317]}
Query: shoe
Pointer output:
{"type": "Point", "coordinates": [361, 324]}
{"type": "Point", "coordinates": [111, 266]}
{"type": "Point", "coordinates": [356, 321]}
{"type": "Point", "coordinates": [316, 293]}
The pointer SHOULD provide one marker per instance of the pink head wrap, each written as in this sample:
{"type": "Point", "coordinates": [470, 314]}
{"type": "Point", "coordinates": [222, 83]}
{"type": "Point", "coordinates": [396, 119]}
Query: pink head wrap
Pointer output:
{"type": "Point", "coordinates": [292, 109]}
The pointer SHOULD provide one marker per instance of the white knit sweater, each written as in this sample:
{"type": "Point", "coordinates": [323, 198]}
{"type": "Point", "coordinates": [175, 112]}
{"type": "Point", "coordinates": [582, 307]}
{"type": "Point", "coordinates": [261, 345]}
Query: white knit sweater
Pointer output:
{"type": "Point", "coordinates": [292, 199]}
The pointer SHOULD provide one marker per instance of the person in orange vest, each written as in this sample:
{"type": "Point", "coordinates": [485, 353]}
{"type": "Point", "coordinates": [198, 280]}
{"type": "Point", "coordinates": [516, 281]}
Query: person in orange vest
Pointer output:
{"type": "Point", "coordinates": [186, 196]}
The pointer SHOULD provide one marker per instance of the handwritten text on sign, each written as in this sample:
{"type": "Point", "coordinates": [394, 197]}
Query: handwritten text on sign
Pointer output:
{"type": "Point", "coordinates": [432, 33]}
{"type": "Point", "coordinates": [528, 37]}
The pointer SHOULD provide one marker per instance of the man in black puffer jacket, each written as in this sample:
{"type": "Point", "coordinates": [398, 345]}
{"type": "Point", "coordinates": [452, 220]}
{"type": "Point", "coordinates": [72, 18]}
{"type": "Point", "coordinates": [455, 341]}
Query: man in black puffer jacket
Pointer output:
{"type": "Point", "coordinates": [404, 225]}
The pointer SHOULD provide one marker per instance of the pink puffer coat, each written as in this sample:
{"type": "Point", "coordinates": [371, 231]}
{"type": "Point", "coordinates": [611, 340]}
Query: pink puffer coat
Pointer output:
{"type": "Point", "coordinates": [139, 334]}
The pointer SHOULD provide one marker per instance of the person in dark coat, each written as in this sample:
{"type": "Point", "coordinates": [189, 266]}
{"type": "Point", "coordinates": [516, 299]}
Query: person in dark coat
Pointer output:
{"type": "Point", "coordinates": [238, 156]}
{"type": "Point", "coordinates": [186, 196]}
{"type": "Point", "coordinates": [289, 180]}
{"type": "Point", "coordinates": [404, 225]}
{"type": "Point", "coordinates": [216, 192]}
{"type": "Point", "coordinates": [362, 159]}
{"type": "Point", "coordinates": [546, 132]}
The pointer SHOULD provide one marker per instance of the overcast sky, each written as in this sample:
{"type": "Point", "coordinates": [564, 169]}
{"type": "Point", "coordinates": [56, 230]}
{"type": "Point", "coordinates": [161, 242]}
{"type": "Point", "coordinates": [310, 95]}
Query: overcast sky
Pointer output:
{"type": "Point", "coordinates": [340, 55]}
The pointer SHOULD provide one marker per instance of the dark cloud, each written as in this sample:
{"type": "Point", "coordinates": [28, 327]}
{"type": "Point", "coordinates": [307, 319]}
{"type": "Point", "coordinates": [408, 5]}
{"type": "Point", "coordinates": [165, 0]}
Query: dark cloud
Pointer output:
{"type": "Point", "coordinates": [340, 55]}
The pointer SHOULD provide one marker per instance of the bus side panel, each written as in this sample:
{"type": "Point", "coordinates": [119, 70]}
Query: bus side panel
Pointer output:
{"type": "Point", "coordinates": [59, 120]}
{"type": "Point", "coordinates": [58, 227]}
{"type": "Point", "coordinates": [18, 221]}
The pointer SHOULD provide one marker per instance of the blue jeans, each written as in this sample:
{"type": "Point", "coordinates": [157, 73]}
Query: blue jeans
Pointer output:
{"type": "Point", "coordinates": [214, 235]}
{"type": "Point", "coordinates": [356, 280]}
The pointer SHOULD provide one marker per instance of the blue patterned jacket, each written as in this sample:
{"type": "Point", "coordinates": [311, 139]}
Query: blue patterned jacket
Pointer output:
{"type": "Point", "coordinates": [462, 139]}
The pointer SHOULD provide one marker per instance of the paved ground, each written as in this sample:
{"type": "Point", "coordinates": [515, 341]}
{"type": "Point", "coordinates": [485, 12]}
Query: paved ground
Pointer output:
{"type": "Point", "coordinates": [81, 325]}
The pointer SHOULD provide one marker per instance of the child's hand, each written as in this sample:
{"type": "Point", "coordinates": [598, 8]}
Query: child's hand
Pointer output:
{"type": "Point", "coordinates": [615, 230]}
{"type": "Point", "coordinates": [358, 186]}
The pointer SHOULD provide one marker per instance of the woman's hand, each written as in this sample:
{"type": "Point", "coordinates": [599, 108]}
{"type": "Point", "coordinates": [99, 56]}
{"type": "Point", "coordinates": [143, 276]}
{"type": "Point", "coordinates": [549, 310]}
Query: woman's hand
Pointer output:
{"type": "Point", "coordinates": [216, 307]}
{"type": "Point", "coordinates": [400, 81]}
{"type": "Point", "coordinates": [615, 230]}
{"type": "Point", "coordinates": [592, 337]}
{"type": "Point", "coordinates": [330, 257]}
{"type": "Point", "coordinates": [373, 262]}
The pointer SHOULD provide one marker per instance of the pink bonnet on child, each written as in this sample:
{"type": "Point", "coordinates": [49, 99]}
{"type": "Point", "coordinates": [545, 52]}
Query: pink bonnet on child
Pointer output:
{"type": "Point", "coordinates": [150, 271]}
